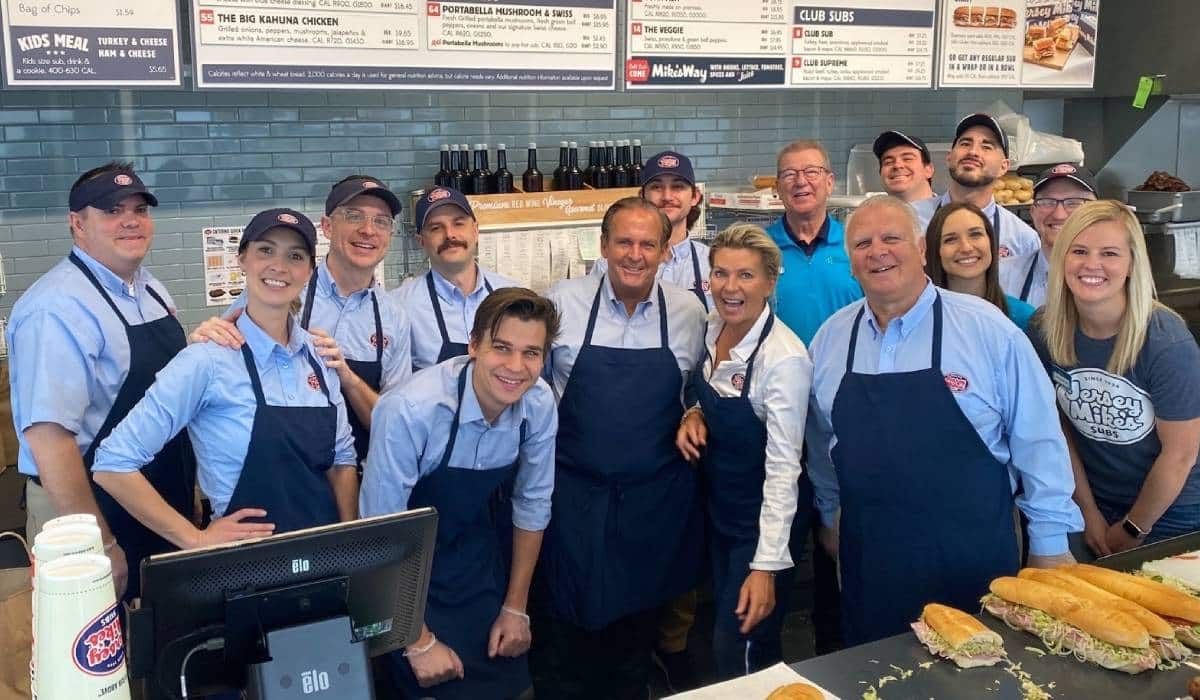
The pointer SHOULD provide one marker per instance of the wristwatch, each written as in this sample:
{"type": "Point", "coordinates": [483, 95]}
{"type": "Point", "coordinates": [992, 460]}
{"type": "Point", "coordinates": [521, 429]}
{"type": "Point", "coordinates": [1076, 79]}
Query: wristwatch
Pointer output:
{"type": "Point", "coordinates": [1134, 531]}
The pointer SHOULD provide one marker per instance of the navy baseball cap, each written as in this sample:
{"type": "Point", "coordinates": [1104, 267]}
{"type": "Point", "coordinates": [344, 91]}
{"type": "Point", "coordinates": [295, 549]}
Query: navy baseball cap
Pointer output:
{"type": "Point", "coordinates": [987, 121]}
{"type": "Point", "coordinates": [668, 163]}
{"type": "Point", "coordinates": [440, 197]}
{"type": "Point", "coordinates": [893, 138]}
{"type": "Point", "coordinates": [276, 218]}
{"type": "Point", "coordinates": [107, 189]}
{"type": "Point", "coordinates": [1067, 171]}
{"type": "Point", "coordinates": [350, 188]}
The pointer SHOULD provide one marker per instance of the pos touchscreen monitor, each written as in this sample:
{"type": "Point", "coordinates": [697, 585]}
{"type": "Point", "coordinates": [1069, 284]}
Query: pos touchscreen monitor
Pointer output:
{"type": "Point", "coordinates": [283, 616]}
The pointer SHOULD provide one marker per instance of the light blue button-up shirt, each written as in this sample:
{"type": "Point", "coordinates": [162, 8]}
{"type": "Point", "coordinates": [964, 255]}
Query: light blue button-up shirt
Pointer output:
{"type": "Point", "coordinates": [1017, 239]}
{"type": "Point", "coordinates": [207, 389]}
{"type": "Point", "coordinates": [679, 270]}
{"type": "Point", "coordinates": [411, 428]}
{"type": "Point", "coordinates": [617, 329]}
{"type": "Point", "coordinates": [68, 353]}
{"type": "Point", "coordinates": [1007, 398]}
{"type": "Point", "coordinates": [458, 310]}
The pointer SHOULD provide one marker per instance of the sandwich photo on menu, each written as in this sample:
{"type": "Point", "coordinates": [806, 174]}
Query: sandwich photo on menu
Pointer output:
{"type": "Point", "coordinates": [955, 635]}
{"type": "Point", "coordinates": [1069, 625]}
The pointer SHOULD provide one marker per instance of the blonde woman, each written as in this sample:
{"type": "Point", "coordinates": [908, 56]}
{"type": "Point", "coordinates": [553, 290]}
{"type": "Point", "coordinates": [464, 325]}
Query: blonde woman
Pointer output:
{"type": "Point", "coordinates": [1127, 375]}
{"type": "Point", "coordinates": [746, 434]}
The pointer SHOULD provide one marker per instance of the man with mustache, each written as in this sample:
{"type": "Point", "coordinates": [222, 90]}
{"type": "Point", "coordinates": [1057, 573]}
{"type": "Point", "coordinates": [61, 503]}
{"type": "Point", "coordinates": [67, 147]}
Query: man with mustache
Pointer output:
{"type": "Point", "coordinates": [625, 532]}
{"type": "Point", "coordinates": [362, 331]}
{"type": "Point", "coordinates": [905, 166]}
{"type": "Point", "coordinates": [443, 301]}
{"type": "Point", "coordinates": [978, 158]}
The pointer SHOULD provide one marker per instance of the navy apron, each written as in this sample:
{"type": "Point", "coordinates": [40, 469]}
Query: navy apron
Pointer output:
{"type": "Point", "coordinates": [173, 470]}
{"type": "Point", "coordinates": [697, 280]}
{"type": "Point", "coordinates": [449, 349]}
{"type": "Point", "coordinates": [733, 469]}
{"type": "Point", "coordinates": [927, 511]}
{"type": "Point", "coordinates": [1029, 278]}
{"type": "Point", "coordinates": [469, 579]}
{"type": "Point", "coordinates": [370, 371]}
{"type": "Point", "coordinates": [625, 534]}
{"type": "Point", "coordinates": [291, 449]}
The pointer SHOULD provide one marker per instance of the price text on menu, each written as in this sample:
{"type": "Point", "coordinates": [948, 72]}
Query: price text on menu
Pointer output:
{"type": "Point", "coordinates": [406, 44]}
{"type": "Point", "coordinates": [85, 43]}
{"type": "Point", "coordinates": [778, 43]}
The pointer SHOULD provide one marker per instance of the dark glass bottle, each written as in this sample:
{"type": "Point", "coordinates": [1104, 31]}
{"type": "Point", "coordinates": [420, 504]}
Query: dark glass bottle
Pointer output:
{"type": "Point", "coordinates": [442, 178]}
{"type": "Point", "coordinates": [503, 178]}
{"type": "Point", "coordinates": [458, 173]}
{"type": "Point", "coordinates": [621, 175]}
{"type": "Point", "coordinates": [603, 176]}
{"type": "Point", "coordinates": [573, 176]}
{"type": "Point", "coordinates": [635, 165]}
{"type": "Point", "coordinates": [531, 180]}
{"type": "Point", "coordinates": [561, 170]}
{"type": "Point", "coordinates": [481, 176]}
{"type": "Point", "coordinates": [589, 173]}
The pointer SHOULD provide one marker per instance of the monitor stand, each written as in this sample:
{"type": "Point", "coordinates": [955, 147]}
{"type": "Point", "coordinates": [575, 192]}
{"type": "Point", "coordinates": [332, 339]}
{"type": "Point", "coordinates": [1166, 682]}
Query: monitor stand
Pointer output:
{"type": "Point", "coordinates": [309, 660]}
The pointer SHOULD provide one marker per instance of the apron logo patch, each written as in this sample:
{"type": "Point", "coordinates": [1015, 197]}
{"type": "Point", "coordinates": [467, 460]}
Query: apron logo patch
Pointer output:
{"type": "Point", "coordinates": [99, 649]}
{"type": "Point", "coordinates": [738, 380]}
{"type": "Point", "coordinates": [374, 341]}
{"type": "Point", "coordinates": [1005, 252]}
{"type": "Point", "coordinates": [704, 285]}
{"type": "Point", "coordinates": [314, 383]}
{"type": "Point", "coordinates": [956, 382]}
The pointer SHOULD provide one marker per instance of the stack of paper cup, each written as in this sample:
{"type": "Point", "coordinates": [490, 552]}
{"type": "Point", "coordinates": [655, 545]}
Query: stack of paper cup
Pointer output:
{"type": "Point", "coordinates": [60, 537]}
{"type": "Point", "coordinates": [80, 650]}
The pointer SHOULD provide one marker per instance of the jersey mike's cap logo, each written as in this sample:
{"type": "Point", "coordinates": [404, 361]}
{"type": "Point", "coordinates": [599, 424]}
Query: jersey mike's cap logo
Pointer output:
{"type": "Point", "coordinates": [1064, 169]}
{"type": "Point", "coordinates": [287, 219]}
{"type": "Point", "coordinates": [368, 184]}
{"type": "Point", "coordinates": [99, 649]}
{"type": "Point", "coordinates": [438, 195]}
{"type": "Point", "coordinates": [668, 162]}
{"type": "Point", "coordinates": [123, 180]}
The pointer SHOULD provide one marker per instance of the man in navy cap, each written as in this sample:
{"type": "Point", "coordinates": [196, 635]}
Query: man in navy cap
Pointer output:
{"type": "Point", "coordinates": [85, 342]}
{"type": "Point", "coordinates": [344, 301]}
{"type": "Point", "coordinates": [978, 158]}
{"type": "Point", "coordinates": [905, 166]}
{"type": "Point", "coordinates": [1058, 191]}
{"type": "Point", "coordinates": [669, 183]}
{"type": "Point", "coordinates": [442, 302]}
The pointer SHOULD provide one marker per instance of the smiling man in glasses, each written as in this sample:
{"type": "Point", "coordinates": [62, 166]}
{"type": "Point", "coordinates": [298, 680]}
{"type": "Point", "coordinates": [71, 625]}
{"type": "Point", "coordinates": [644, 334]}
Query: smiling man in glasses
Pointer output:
{"type": "Point", "coordinates": [363, 332]}
{"type": "Point", "coordinates": [1058, 191]}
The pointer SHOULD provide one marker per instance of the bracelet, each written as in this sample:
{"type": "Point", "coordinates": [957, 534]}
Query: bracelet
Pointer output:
{"type": "Point", "coordinates": [518, 613]}
{"type": "Point", "coordinates": [690, 411]}
{"type": "Point", "coordinates": [410, 652]}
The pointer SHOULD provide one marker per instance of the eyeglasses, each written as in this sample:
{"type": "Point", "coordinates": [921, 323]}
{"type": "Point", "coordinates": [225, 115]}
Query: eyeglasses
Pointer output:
{"type": "Point", "coordinates": [1050, 203]}
{"type": "Point", "coordinates": [357, 217]}
{"type": "Point", "coordinates": [811, 174]}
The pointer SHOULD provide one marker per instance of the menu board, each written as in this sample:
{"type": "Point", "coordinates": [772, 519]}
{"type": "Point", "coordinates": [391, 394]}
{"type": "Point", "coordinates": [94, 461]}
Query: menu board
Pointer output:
{"type": "Point", "coordinates": [85, 43]}
{"type": "Point", "coordinates": [794, 43]}
{"type": "Point", "coordinates": [405, 44]}
{"type": "Point", "coordinates": [1018, 43]}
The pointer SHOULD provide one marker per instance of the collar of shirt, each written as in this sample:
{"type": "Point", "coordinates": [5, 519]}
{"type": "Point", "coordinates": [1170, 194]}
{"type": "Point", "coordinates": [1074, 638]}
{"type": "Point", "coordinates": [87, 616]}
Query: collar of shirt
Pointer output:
{"type": "Point", "coordinates": [327, 286]}
{"type": "Point", "coordinates": [809, 248]}
{"type": "Point", "coordinates": [109, 279]}
{"type": "Point", "coordinates": [681, 251]}
{"type": "Point", "coordinates": [912, 318]}
{"type": "Point", "coordinates": [471, 411]}
{"type": "Point", "coordinates": [989, 211]}
{"type": "Point", "coordinates": [262, 346]}
{"type": "Point", "coordinates": [449, 292]}
{"type": "Point", "coordinates": [740, 352]}
{"type": "Point", "coordinates": [617, 307]}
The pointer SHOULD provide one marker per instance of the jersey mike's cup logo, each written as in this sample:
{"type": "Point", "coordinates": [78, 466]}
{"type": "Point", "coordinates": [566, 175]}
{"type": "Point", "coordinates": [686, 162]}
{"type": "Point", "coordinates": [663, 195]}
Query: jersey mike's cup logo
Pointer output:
{"type": "Point", "coordinates": [123, 180]}
{"type": "Point", "coordinates": [99, 649]}
{"type": "Point", "coordinates": [287, 219]}
{"type": "Point", "coordinates": [668, 162]}
{"type": "Point", "coordinates": [438, 195]}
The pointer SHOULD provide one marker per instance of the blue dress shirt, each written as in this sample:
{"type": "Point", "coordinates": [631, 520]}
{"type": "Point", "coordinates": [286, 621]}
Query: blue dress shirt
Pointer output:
{"type": "Point", "coordinates": [68, 352]}
{"type": "Point", "coordinates": [410, 429]}
{"type": "Point", "coordinates": [1007, 398]}
{"type": "Point", "coordinates": [207, 389]}
{"type": "Point", "coordinates": [458, 310]}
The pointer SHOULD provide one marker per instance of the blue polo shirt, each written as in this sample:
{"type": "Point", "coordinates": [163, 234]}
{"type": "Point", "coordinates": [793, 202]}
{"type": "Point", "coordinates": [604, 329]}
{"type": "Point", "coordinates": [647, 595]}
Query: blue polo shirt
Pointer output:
{"type": "Point", "coordinates": [812, 287]}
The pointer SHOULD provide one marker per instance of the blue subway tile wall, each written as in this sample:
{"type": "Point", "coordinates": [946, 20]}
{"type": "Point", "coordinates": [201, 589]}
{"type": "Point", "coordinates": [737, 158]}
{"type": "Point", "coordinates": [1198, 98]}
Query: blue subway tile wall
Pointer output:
{"type": "Point", "coordinates": [215, 158]}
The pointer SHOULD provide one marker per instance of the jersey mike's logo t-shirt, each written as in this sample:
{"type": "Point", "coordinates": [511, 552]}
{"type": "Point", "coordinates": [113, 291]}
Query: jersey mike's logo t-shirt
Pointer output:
{"type": "Point", "coordinates": [1105, 407]}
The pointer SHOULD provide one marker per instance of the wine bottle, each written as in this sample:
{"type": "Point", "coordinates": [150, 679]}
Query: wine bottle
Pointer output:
{"type": "Point", "coordinates": [503, 178]}
{"type": "Point", "coordinates": [531, 180]}
{"type": "Point", "coordinates": [573, 176]}
{"type": "Point", "coordinates": [560, 171]}
{"type": "Point", "coordinates": [442, 178]}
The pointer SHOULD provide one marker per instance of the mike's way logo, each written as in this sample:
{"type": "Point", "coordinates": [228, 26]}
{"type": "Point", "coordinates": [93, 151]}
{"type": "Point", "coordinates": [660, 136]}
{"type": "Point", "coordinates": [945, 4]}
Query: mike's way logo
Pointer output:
{"type": "Point", "coordinates": [1104, 406]}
